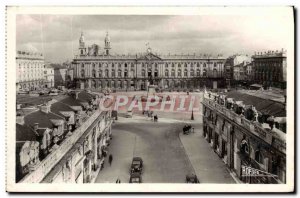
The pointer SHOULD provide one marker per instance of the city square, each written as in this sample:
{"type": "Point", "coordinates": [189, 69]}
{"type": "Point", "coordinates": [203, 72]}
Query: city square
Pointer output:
{"type": "Point", "coordinates": [121, 111]}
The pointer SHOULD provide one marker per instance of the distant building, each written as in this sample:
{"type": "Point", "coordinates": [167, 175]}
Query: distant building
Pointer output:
{"type": "Point", "coordinates": [49, 76]}
{"type": "Point", "coordinates": [60, 75]}
{"type": "Point", "coordinates": [30, 70]}
{"type": "Point", "coordinates": [235, 68]}
{"type": "Point", "coordinates": [247, 132]}
{"type": "Point", "coordinates": [97, 70]}
{"type": "Point", "coordinates": [270, 68]}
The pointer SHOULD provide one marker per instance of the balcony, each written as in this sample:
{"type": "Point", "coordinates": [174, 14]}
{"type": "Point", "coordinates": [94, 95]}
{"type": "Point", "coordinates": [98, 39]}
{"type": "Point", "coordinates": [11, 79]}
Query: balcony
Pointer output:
{"type": "Point", "coordinates": [272, 137]}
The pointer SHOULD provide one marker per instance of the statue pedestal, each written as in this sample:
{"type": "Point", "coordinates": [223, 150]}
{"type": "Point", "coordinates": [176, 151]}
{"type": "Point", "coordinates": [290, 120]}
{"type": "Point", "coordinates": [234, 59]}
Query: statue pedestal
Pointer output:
{"type": "Point", "coordinates": [151, 89]}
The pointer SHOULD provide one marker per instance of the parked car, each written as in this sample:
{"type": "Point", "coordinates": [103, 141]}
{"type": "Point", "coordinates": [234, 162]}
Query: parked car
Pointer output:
{"type": "Point", "coordinates": [129, 114]}
{"type": "Point", "coordinates": [192, 178]}
{"type": "Point", "coordinates": [137, 165]}
{"type": "Point", "coordinates": [135, 178]}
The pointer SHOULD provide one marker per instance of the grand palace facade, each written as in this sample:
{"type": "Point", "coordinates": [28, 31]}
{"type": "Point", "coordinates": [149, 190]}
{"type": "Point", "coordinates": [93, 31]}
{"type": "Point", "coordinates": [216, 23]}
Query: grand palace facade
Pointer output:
{"type": "Point", "coordinates": [98, 70]}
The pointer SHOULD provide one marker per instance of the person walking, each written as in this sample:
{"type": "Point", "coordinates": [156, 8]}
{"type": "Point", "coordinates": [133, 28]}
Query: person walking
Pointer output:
{"type": "Point", "coordinates": [110, 159]}
{"type": "Point", "coordinates": [118, 181]}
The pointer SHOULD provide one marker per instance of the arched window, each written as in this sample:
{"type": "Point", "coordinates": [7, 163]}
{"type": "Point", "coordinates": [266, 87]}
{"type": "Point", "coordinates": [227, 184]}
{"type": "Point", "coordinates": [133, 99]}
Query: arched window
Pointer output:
{"type": "Point", "coordinates": [125, 72]}
{"type": "Point", "coordinates": [204, 65]}
{"type": "Point", "coordinates": [166, 73]}
{"type": "Point", "coordinates": [173, 73]}
{"type": "Point", "coordinates": [143, 73]}
{"type": "Point", "coordinates": [100, 73]}
{"type": "Point", "coordinates": [192, 73]}
{"type": "Point", "coordinates": [204, 73]}
{"type": "Point", "coordinates": [244, 147]}
{"type": "Point", "coordinates": [82, 73]}
{"type": "Point", "coordinates": [185, 73]}
{"type": "Point", "coordinates": [179, 73]}
{"type": "Point", "coordinates": [125, 65]}
{"type": "Point", "coordinates": [113, 73]}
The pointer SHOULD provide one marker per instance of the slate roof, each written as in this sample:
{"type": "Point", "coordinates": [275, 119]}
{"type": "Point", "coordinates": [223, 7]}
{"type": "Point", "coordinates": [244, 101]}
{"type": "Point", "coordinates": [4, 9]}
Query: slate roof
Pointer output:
{"type": "Point", "coordinates": [42, 118]}
{"type": "Point", "coordinates": [24, 133]}
{"type": "Point", "coordinates": [270, 107]}
{"type": "Point", "coordinates": [57, 107]}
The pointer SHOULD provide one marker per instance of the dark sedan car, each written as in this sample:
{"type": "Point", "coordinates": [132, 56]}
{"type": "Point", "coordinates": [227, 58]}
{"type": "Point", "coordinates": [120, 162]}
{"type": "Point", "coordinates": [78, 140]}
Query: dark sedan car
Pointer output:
{"type": "Point", "coordinates": [135, 178]}
{"type": "Point", "coordinates": [192, 178]}
{"type": "Point", "coordinates": [137, 165]}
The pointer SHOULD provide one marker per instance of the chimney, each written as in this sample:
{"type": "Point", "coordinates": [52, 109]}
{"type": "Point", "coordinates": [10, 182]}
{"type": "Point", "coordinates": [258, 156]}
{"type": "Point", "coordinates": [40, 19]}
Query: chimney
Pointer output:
{"type": "Point", "coordinates": [35, 126]}
{"type": "Point", "coordinates": [45, 108]}
{"type": "Point", "coordinates": [20, 119]}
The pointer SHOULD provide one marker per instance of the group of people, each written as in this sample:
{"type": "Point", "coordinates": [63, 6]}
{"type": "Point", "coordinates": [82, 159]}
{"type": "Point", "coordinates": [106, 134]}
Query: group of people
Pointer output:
{"type": "Point", "coordinates": [150, 115]}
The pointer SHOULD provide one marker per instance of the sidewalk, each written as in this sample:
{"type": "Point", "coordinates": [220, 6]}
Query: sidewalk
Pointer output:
{"type": "Point", "coordinates": [208, 166]}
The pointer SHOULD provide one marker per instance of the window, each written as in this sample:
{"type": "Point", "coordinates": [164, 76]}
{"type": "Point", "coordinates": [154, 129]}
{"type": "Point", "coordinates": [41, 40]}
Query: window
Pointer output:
{"type": "Point", "coordinates": [198, 72]}
{"type": "Point", "coordinates": [192, 73]}
{"type": "Point", "coordinates": [143, 73]}
{"type": "Point", "coordinates": [126, 65]}
{"type": "Point", "coordinates": [179, 73]}
{"type": "Point", "coordinates": [125, 72]}
{"type": "Point", "coordinates": [173, 73]}
{"type": "Point", "coordinates": [204, 65]}
{"type": "Point", "coordinates": [156, 73]}
{"type": "Point", "coordinates": [204, 73]}
{"type": "Point", "coordinates": [215, 64]}
{"type": "Point", "coordinates": [113, 73]}
{"type": "Point", "coordinates": [82, 73]}
{"type": "Point", "coordinates": [94, 73]}
{"type": "Point", "coordinates": [106, 73]}
{"type": "Point", "coordinates": [119, 73]}
{"type": "Point", "coordinates": [258, 157]}
{"type": "Point", "coordinates": [185, 73]}
{"type": "Point", "coordinates": [166, 73]}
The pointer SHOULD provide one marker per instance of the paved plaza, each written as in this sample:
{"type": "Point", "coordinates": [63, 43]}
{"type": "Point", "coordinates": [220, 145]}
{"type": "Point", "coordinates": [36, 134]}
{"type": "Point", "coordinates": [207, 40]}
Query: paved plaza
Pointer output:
{"type": "Point", "coordinates": [168, 155]}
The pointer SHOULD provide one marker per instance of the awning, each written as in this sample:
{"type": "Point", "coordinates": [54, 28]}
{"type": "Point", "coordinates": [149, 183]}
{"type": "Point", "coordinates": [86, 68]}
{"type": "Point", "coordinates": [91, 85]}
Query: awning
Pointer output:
{"type": "Point", "coordinates": [256, 85]}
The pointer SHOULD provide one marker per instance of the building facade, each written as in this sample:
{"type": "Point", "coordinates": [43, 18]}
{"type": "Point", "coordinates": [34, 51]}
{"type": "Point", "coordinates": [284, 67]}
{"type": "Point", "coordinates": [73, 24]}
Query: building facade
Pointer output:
{"type": "Point", "coordinates": [270, 68]}
{"type": "Point", "coordinates": [247, 134]}
{"type": "Point", "coordinates": [235, 69]}
{"type": "Point", "coordinates": [60, 75]}
{"type": "Point", "coordinates": [96, 70]}
{"type": "Point", "coordinates": [30, 70]}
{"type": "Point", "coordinates": [62, 141]}
{"type": "Point", "coordinates": [49, 76]}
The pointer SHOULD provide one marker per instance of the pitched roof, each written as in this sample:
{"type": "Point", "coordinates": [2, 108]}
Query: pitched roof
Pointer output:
{"type": "Point", "coordinates": [44, 119]}
{"type": "Point", "coordinates": [270, 107]}
{"type": "Point", "coordinates": [24, 133]}
{"type": "Point", "coordinates": [57, 107]}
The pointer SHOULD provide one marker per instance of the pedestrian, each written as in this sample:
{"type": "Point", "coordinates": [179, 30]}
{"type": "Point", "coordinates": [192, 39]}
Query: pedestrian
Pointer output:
{"type": "Point", "coordinates": [110, 159]}
{"type": "Point", "coordinates": [118, 181]}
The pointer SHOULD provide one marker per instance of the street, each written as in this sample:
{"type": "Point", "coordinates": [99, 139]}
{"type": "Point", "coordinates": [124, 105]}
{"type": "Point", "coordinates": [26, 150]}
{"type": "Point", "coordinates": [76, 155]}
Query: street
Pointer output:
{"type": "Point", "coordinates": [165, 158]}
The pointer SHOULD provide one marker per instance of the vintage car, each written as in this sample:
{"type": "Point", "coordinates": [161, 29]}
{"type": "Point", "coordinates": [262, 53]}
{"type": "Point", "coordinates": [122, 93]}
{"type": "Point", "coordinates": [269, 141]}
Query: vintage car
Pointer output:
{"type": "Point", "coordinates": [192, 178]}
{"type": "Point", "coordinates": [135, 178]}
{"type": "Point", "coordinates": [136, 165]}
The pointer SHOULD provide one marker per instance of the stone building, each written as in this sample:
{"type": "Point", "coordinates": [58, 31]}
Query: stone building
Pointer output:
{"type": "Point", "coordinates": [49, 76]}
{"type": "Point", "coordinates": [247, 132]}
{"type": "Point", "coordinates": [29, 70]}
{"type": "Point", "coordinates": [235, 68]}
{"type": "Point", "coordinates": [270, 68]}
{"type": "Point", "coordinates": [62, 141]}
{"type": "Point", "coordinates": [97, 70]}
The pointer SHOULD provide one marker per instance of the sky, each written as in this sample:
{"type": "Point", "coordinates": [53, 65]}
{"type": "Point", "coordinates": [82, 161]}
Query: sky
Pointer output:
{"type": "Point", "coordinates": [56, 36]}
